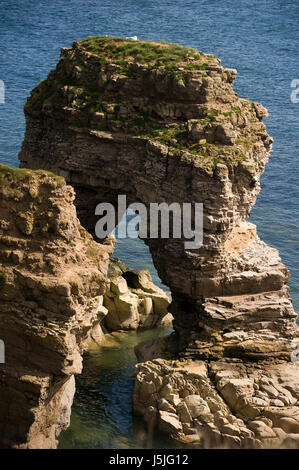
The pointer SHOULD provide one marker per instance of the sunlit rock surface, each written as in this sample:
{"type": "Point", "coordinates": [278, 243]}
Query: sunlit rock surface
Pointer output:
{"type": "Point", "coordinates": [161, 123]}
{"type": "Point", "coordinates": [53, 277]}
{"type": "Point", "coordinates": [133, 301]}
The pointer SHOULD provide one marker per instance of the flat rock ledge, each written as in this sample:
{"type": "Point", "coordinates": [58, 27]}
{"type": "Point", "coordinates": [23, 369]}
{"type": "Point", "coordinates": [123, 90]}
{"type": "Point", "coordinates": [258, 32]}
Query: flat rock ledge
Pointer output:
{"type": "Point", "coordinates": [221, 404]}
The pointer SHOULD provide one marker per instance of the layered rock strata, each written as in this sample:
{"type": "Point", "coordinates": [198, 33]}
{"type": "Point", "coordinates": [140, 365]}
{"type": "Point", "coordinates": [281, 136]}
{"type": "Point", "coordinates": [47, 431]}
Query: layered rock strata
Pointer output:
{"type": "Point", "coordinates": [53, 277]}
{"type": "Point", "coordinates": [54, 290]}
{"type": "Point", "coordinates": [161, 123]}
{"type": "Point", "coordinates": [227, 403]}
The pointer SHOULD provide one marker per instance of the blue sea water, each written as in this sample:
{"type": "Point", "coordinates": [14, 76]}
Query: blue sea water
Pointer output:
{"type": "Point", "coordinates": [257, 37]}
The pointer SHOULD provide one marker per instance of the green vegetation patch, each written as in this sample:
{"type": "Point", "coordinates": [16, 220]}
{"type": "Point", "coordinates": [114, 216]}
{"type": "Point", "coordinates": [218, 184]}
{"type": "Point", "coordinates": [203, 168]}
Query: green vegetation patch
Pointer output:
{"type": "Point", "coordinates": [175, 136]}
{"type": "Point", "coordinates": [18, 174]}
{"type": "Point", "coordinates": [171, 56]}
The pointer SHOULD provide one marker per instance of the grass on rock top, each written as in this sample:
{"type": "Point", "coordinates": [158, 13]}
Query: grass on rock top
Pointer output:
{"type": "Point", "coordinates": [122, 52]}
{"type": "Point", "coordinates": [152, 53]}
{"type": "Point", "coordinates": [18, 174]}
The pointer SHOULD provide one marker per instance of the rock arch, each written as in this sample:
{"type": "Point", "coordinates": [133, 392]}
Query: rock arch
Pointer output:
{"type": "Point", "coordinates": [163, 124]}
{"type": "Point", "coordinates": [172, 134]}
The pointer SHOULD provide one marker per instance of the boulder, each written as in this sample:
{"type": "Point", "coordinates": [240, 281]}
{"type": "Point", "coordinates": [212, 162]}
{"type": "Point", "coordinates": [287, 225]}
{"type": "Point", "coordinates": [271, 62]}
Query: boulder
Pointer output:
{"type": "Point", "coordinates": [169, 423]}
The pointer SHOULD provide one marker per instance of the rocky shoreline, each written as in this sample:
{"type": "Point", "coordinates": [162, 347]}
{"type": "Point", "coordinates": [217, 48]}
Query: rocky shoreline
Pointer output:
{"type": "Point", "coordinates": [159, 123]}
{"type": "Point", "coordinates": [220, 404]}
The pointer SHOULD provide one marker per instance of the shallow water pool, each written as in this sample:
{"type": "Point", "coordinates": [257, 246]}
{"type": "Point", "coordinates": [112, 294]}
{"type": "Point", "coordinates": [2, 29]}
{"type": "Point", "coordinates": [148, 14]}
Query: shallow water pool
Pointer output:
{"type": "Point", "coordinates": [102, 410]}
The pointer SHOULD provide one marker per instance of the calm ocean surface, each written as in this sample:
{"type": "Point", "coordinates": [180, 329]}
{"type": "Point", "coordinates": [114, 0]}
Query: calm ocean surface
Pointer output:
{"type": "Point", "coordinates": [257, 37]}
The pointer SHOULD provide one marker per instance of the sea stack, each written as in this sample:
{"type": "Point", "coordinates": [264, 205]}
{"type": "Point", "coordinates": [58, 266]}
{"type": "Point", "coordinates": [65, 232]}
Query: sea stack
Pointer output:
{"type": "Point", "coordinates": [161, 123]}
{"type": "Point", "coordinates": [53, 277]}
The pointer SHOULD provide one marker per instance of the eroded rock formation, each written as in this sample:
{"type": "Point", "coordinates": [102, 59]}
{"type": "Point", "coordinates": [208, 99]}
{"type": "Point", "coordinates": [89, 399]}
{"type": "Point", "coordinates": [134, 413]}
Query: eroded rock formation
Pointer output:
{"type": "Point", "coordinates": [53, 280]}
{"type": "Point", "coordinates": [133, 301]}
{"type": "Point", "coordinates": [53, 277]}
{"type": "Point", "coordinates": [161, 123]}
{"type": "Point", "coordinates": [226, 403]}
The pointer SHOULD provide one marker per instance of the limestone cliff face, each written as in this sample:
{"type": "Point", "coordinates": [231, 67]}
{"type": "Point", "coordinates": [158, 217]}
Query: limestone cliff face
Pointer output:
{"type": "Point", "coordinates": [161, 123]}
{"type": "Point", "coordinates": [53, 276]}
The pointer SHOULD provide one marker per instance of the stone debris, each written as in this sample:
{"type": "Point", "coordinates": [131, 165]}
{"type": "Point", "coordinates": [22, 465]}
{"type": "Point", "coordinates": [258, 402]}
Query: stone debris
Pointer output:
{"type": "Point", "coordinates": [222, 403]}
{"type": "Point", "coordinates": [134, 301]}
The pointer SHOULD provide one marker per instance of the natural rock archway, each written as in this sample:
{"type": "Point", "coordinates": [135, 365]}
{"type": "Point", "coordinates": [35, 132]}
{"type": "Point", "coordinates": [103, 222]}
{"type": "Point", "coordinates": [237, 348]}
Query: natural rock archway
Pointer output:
{"type": "Point", "coordinates": [161, 123]}
{"type": "Point", "coordinates": [171, 133]}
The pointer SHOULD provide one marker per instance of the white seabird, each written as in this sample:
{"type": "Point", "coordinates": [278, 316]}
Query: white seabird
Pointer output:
{"type": "Point", "coordinates": [133, 38]}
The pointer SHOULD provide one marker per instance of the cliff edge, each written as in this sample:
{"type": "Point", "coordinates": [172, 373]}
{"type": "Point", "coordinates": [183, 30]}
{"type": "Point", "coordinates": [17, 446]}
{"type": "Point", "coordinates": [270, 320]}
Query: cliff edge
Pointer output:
{"type": "Point", "coordinates": [53, 277]}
